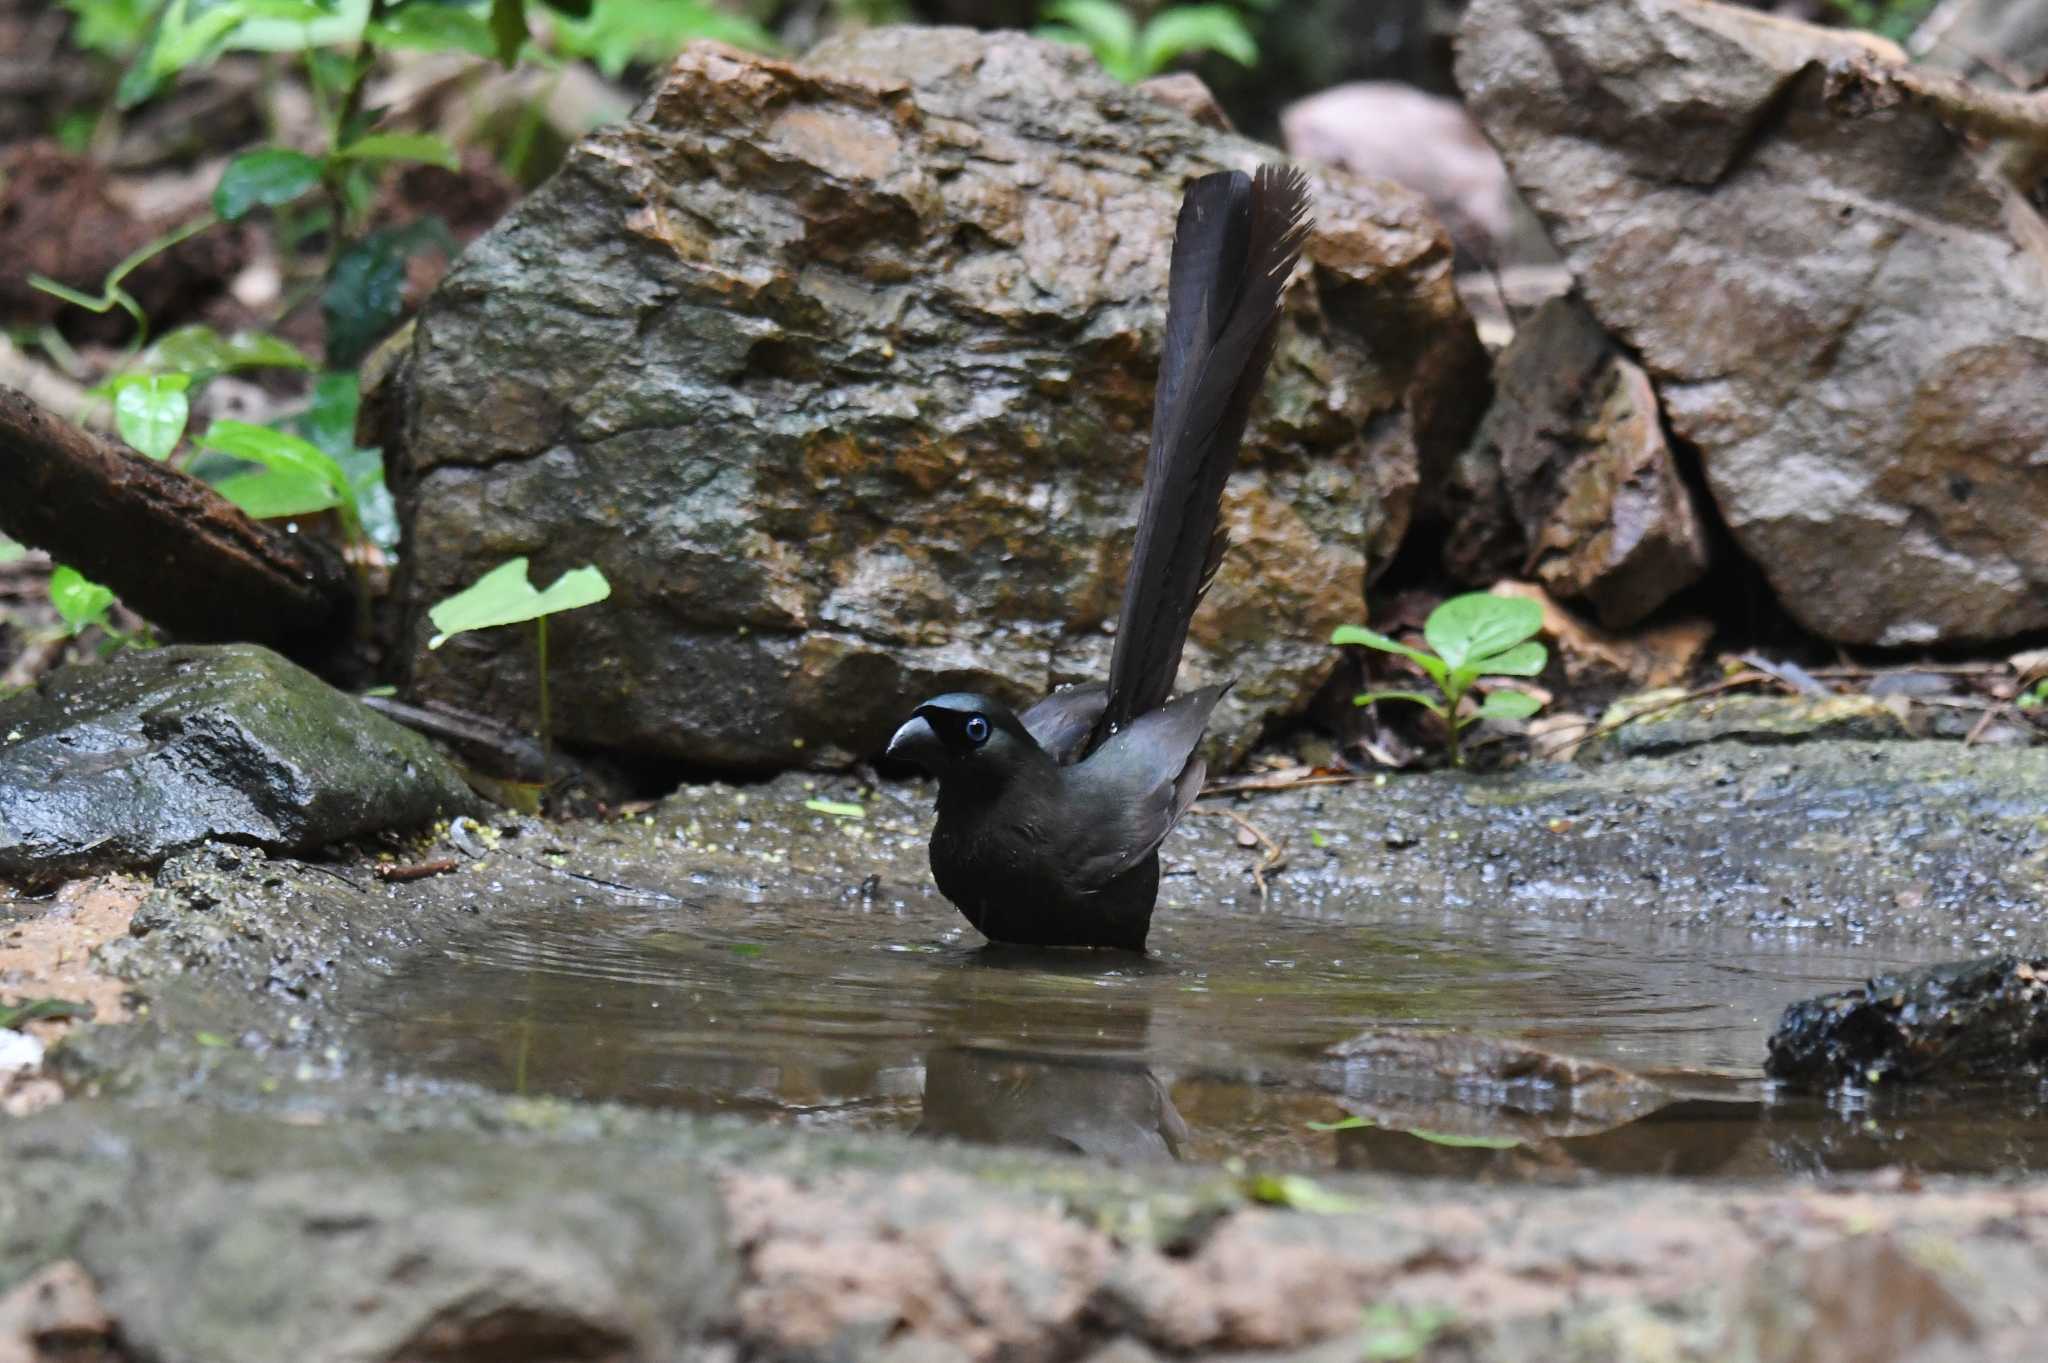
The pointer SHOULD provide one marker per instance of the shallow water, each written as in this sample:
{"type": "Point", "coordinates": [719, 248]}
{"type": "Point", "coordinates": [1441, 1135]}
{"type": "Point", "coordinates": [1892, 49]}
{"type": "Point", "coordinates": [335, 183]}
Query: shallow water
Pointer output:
{"type": "Point", "coordinates": [1215, 1046]}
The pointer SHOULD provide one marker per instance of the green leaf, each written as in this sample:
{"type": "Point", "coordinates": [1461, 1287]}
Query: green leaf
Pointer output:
{"type": "Point", "coordinates": [1428, 702]}
{"type": "Point", "coordinates": [1509, 705]}
{"type": "Point", "coordinates": [275, 450]}
{"type": "Point", "coordinates": [1347, 1124]}
{"type": "Point", "coordinates": [272, 493]}
{"type": "Point", "coordinates": [1479, 625]}
{"type": "Point", "coordinates": [213, 1040]}
{"type": "Point", "coordinates": [203, 352]}
{"type": "Point", "coordinates": [1104, 28]}
{"type": "Point", "coordinates": [433, 28]}
{"type": "Point", "coordinates": [422, 147]}
{"type": "Point", "coordinates": [1523, 660]}
{"type": "Point", "coordinates": [264, 178]}
{"type": "Point", "coordinates": [150, 411]}
{"type": "Point", "coordinates": [508, 29]}
{"type": "Point", "coordinates": [1457, 1142]}
{"type": "Point", "coordinates": [1297, 1191]}
{"type": "Point", "coordinates": [12, 1015]}
{"type": "Point", "coordinates": [1183, 29]}
{"type": "Point", "coordinates": [504, 596]}
{"type": "Point", "coordinates": [837, 808]}
{"type": "Point", "coordinates": [79, 600]}
{"type": "Point", "coordinates": [1372, 638]}
{"type": "Point", "coordinates": [190, 32]}
{"type": "Point", "coordinates": [365, 294]}
{"type": "Point", "coordinates": [112, 27]}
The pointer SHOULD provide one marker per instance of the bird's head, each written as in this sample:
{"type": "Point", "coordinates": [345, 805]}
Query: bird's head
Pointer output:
{"type": "Point", "coordinates": [962, 735]}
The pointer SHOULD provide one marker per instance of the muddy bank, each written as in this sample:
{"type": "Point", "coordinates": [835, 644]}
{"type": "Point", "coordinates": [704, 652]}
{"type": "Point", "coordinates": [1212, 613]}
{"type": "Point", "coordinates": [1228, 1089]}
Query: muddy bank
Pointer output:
{"type": "Point", "coordinates": [549, 1089]}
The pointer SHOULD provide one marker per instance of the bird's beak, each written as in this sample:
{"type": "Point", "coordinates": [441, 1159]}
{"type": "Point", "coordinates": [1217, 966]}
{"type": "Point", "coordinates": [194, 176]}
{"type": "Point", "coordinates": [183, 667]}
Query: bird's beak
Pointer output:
{"type": "Point", "coordinates": [917, 742]}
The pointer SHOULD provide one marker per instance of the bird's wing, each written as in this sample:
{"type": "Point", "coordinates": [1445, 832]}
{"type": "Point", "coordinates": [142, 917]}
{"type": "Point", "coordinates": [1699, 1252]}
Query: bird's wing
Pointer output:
{"type": "Point", "coordinates": [1131, 791]}
{"type": "Point", "coordinates": [1235, 244]}
{"type": "Point", "coordinates": [1061, 722]}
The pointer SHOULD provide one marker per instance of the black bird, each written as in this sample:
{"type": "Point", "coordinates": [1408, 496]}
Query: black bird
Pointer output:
{"type": "Point", "coordinates": [1050, 822]}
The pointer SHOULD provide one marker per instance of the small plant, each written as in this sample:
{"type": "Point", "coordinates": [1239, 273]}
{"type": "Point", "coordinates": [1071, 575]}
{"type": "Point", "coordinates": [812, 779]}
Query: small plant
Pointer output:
{"type": "Point", "coordinates": [2035, 698]}
{"type": "Point", "coordinates": [1133, 52]}
{"type": "Point", "coordinates": [83, 604]}
{"type": "Point", "coordinates": [1472, 636]}
{"type": "Point", "coordinates": [1894, 19]}
{"type": "Point", "coordinates": [506, 596]}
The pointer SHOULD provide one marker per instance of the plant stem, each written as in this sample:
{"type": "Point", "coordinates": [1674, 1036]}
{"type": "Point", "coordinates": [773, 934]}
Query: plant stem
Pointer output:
{"type": "Point", "coordinates": [547, 759]}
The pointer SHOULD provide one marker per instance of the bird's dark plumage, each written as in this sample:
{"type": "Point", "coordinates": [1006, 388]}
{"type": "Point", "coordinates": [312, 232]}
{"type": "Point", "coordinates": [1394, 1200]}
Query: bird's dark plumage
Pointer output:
{"type": "Point", "coordinates": [1050, 822]}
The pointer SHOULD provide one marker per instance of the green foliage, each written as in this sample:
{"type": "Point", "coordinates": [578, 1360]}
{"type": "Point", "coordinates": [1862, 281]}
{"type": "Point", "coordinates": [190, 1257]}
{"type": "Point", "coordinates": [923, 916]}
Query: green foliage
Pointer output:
{"type": "Point", "coordinates": [111, 294]}
{"type": "Point", "coordinates": [365, 294]}
{"type": "Point", "coordinates": [114, 28]}
{"type": "Point", "coordinates": [84, 604]}
{"type": "Point", "coordinates": [293, 477]}
{"type": "Point", "coordinates": [1471, 636]}
{"type": "Point", "coordinates": [1396, 1332]}
{"type": "Point", "coordinates": [505, 596]}
{"type": "Point", "coordinates": [2036, 698]}
{"type": "Point", "coordinates": [838, 809]}
{"type": "Point", "coordinates": [150, 411]}
{"type": "Point", "coordinates": [1895, 19]}
{"type": "Point", "coordinates": [13, 1015]}
{"type": "Point", "coordinates": [618, 32]}
{"type": "Point", "coordinates": [1299, 1192]}
{"type": "Point", "coordinates": [201, 353]}
{"type": "Point", "coordinates": [266, 178]}
{"type": "Point", "coordinates": [1132, 52]}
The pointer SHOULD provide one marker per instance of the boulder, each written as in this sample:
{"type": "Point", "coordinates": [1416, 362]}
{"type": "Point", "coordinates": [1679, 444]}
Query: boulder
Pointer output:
{"type": "Point", "coordinates": [1571, 473]}
{"type": "Point", "coordinates": [1968, 1020]}
{"type": "Point", "coordinates": [117, 766]}
{"type": "Point", "coordinates": [1831, 269]}
{"type": "Point", "coordinates": [1396, 132]}
{"type": "Point", "coordinates": [842, 372]}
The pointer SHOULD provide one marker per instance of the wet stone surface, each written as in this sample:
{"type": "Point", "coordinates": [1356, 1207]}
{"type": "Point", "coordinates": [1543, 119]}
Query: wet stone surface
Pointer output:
{"type": "Point", "coordinates": [1559, 976]}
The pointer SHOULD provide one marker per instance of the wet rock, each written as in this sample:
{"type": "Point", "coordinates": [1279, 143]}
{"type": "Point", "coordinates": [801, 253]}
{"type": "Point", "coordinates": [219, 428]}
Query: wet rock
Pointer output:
{"type": "Point", "coordinates": [1390, 131]}
{"type": "Point", "coordinates": [1663, 721]}
{"type": "Point", "coordinates": [842, 372]}
{"type": "Point", "coordinates": [1970, 1020]}
{"type": "Point", "coordinates": [53, 1315]}
{"type": "Point", "coordinates": [1865, 1300]}
{"type": "Point", "coordinates": [1569, 478]}
{"type": "Point", "coordinates": [237, 1241]}
{"type": "Point", "coordinates": [1480, 1079]}
{"type": "Point", "coordinates": [2002, 44]}
{"type": "Point", "coordinates": [115, 766]}
{"type": "Point", "coordinates": [1838, 307]}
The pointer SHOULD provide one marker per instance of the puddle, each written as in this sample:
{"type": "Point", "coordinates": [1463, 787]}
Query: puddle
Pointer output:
{"type": "Point", "coordinates": [1216, 1046]}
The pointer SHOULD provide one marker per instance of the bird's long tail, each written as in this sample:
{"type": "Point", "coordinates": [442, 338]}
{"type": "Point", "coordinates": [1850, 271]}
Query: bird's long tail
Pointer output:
{"type": "Point", "coordinates": [1234, 246]}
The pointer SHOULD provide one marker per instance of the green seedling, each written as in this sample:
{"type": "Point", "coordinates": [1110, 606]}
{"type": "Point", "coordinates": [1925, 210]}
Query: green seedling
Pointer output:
{"type": "Point", "coordinates": [506, 596]}
{"type": "Point", "coordinates": [83, 604]}
{"type": "Point", "coordinates": [1471, 636]}
{"type": "Point", "coordinates": [1132, 52]}
{"type": "Point", "coordinates": [1396, 1332]}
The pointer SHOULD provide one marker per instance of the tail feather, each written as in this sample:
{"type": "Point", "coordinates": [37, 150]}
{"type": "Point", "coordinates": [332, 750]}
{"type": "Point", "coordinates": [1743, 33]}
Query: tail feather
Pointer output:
{"type": "Point", "coordinates": [1235, 244]}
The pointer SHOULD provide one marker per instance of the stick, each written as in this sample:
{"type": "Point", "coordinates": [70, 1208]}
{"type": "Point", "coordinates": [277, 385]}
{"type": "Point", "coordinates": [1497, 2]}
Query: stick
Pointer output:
{"type": "Point", "coordinates": [176, 551]}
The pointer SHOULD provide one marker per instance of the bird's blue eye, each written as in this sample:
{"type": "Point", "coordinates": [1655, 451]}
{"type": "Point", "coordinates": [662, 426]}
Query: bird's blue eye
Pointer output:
{"type": "Point", "coordinates": [976, 730]}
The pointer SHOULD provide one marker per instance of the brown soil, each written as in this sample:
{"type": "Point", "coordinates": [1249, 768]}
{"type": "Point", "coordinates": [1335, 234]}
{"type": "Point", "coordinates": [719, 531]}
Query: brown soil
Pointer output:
{"type": "Point", "coordinates": [49, 956]}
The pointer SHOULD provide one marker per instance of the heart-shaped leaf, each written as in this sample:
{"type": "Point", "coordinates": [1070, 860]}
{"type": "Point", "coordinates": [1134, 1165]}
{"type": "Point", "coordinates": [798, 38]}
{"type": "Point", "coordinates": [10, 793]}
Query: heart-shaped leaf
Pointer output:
{"type": "Point", "coordinates": [1477, 625]}
{"type": "Point", "coordinates": [150, 411]}
{"type": "Point", "coordinates": [505, 596]}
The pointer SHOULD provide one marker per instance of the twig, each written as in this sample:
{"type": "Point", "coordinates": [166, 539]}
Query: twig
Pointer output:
{"type": "Point", "coordinates": [1977, 730]}
{"type": "Point", "coordinates": [1275, 854]}
{"type": "Point", "coordinates": [418, 870]}
{"type": "Point", "coordinates": [1282, 781]}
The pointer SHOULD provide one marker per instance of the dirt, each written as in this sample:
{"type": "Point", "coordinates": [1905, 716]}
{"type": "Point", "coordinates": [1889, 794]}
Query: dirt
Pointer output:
{"type": "Point", "coordinates": [49, 954]}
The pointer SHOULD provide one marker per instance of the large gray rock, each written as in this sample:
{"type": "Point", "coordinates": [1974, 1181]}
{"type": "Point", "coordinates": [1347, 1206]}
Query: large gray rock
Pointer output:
{"type": "Point", "coordinates": [842, 372]}
{"type": "Point", "coordinates": [117, 766]}
{"type": "Point", "coordinates": [1570, 480]}
{"type": "Point", "coordinates": [1829, 266]}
